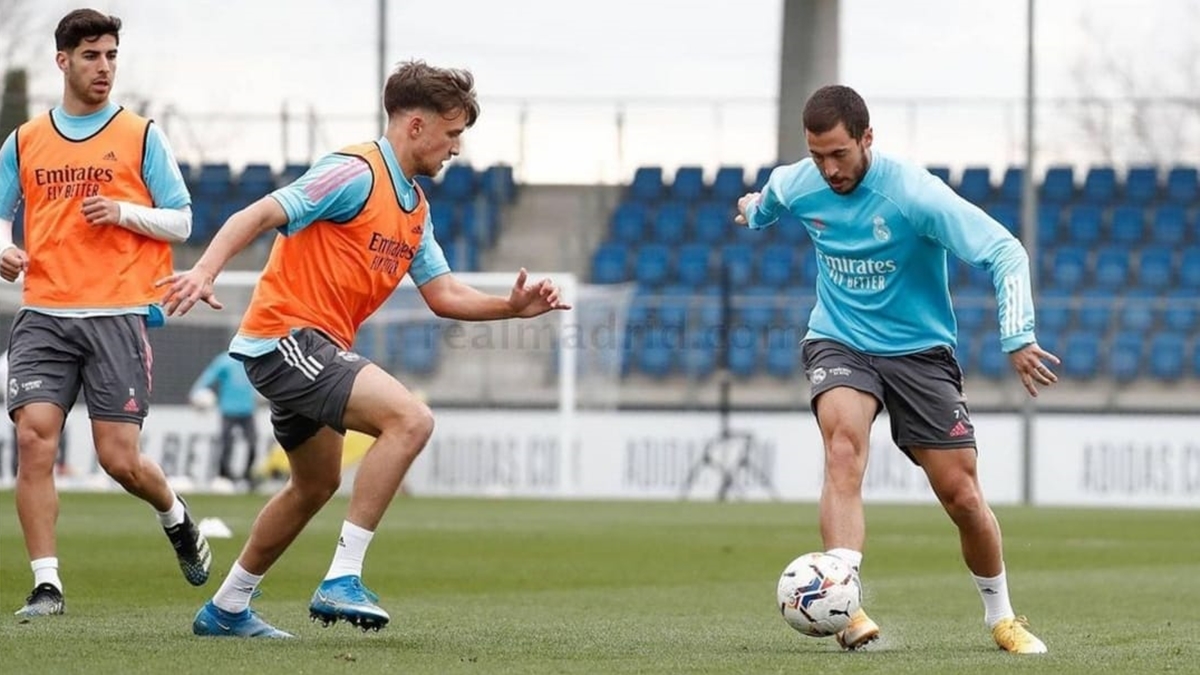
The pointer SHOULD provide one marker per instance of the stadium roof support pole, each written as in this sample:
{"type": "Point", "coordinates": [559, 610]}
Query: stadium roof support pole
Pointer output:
{"type": "Point", "coordinates": [381, 56]}
{"type": "Point", "coordinates": [1029, 231]}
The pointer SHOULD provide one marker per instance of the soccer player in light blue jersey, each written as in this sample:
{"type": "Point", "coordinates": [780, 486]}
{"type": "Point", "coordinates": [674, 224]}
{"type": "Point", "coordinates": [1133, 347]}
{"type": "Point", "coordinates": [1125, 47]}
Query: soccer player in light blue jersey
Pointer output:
{"type": "Point", "coordinates": [883, 334]}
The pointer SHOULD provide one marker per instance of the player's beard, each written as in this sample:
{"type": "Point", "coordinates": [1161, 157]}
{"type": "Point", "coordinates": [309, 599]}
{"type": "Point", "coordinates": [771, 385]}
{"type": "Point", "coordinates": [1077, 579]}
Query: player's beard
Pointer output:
{"type": "Point", "coordinates": [80, 85]}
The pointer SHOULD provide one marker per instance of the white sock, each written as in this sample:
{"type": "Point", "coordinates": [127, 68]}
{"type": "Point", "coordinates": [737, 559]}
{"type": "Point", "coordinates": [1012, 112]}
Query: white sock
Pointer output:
{"type": "Point", "coordinates": [351, 549]}
{"type": "Point", "coordinates": [45, 571]}
{"type": "Point", "coordinates": [852, 557]}
{"type": "Point", "coordinates": [994, 591]}
{"type": "Point", "coordinates": [234, 593]}
{"type": "Point", "coordinates": [172, 516]}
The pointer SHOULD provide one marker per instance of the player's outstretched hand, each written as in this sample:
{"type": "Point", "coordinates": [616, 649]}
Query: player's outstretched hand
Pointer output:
{"type": "Point", "coordinates": [1029, 363]}
{"type": "Point", "coordinates": [101, 211]}
{"type": "Point", "coordinates": [185, 289]}
{"type": "Point", "coordinates": [534, 300]}
{"type": "Point", "coordinates": [743, 205]}
{"type": "Point", "coordinates": [12, 263]}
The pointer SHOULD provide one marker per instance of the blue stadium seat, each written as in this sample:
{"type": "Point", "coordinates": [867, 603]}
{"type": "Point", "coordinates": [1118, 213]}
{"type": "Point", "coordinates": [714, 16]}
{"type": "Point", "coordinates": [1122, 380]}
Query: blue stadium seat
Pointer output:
{"type": "Point", "coordinates": [964, 352]}
{"type": "Point", "coordinates": [1141, 185]}
{"type": "Point", "coordinates": [1128, 225]}
{"type": "Point", "coordinates": [1189, 269]}
{"type": "Point", "coordinates": [1095, 309]}
{"type": "Point", "coordinates": [1181, 308]}
{"type": "Point", "coordinates": [458, 182]}
{"type": "Point", "coordinates": [1100, 186]}
{"type": "Point", "coordinates": [992, 362]}
{"type": "Point", "coordinates": [1125, 356]}
{"type": "Point", "coordinates": [761, 176]}
{"type": "Point", "coordinates": [743, 354]}
{"type": "Point", "coordinates": [652, 264]}
{"type": "Point", "coordinates": [755, 307]}
{"type": "Point", "coordinates": [445, 221]}
{"type": "Point", "coordinates": [1081, 351]}
{"type": "Point", "coordinates": [426, 183]}
{"type": "Point", "coordinates": [1166, 356]}
{"type": "Point", "coordinates": [1011, 185]}
{"type": "Point", "coordinates": [1155, 267]}
{"type": "Point", "coordinates": [729, 185]}
{"type": "Point", "coordinates": [693, 264]}
{"type": "Point", "coordinates": [972, 309]}
{"type": "Point", "coordinates": [255, 181]}
{"type": "Point", "coordinates": [738, 259]}
{"type": "Point", "coordinates": [975, 184]}
{"type": "Point", "coordinates": [713, 222]}
{"type": "Point", "coordinates": [1068, 267]}
{"type": "Point", "coordinates": [1058, 186]}
{"type": "Point", "coordinates": [1112, 268]}
{"type": "Point", "coordinates": [673, 307]}
{"type": "Point", "coordinates": [1139, 310]}
{"type": "Point", "coordinates": [699, 357]}
{"type": "Point", "coordinates": [654, 357]}
{"type": "Point", "coordinates": [1006, 214]}
{"type": "Point", "coordinates": [214, 181]}
{"type": "Point", "coordinates": [628, 223]}
{"type": "Point", "coordinates": [809, 269]}
{"type": "Point", "coordinates": [688, 185]}
{"type": "Point", "coordinates": [1084, 225]}
{"type": "Point", "coordinates": [1196, 359]}
{"type": "Point", "coordinates": [498, 184]}
{"type": "Point", "coordinates": [647, 185]}
{"type": "Point", "coordinates": [783, 351]}
{"type": "Point", "coordinates": [1169, 226]}
{"type": "Point", "coordinates": [1182, 186]}
{"type": "Point", "coordinates": [670, 222]}
{"type": "Point", "coordinates": [777, 265]}
{"type": "Point", "coordinates": [185, 170]}
{"type": "Point", "coordinates": [1054, 309]}
{"type": "Point", "coordinates": [1049, 224]}
{"type": "Point", "coordinates": [414, 347]}
{"type": "Point", "coordinates": [942, 172]}
{"type": "Point", "coordinates": [610, 263]}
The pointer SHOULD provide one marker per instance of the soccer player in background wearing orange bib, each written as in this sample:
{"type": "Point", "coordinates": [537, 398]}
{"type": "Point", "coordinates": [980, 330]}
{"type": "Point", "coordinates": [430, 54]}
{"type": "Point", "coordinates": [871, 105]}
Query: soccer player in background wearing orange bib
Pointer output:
{"type": "Point", "coordinates": [104, 199]}
{"type": "Point", "coordinates": [349, 230]}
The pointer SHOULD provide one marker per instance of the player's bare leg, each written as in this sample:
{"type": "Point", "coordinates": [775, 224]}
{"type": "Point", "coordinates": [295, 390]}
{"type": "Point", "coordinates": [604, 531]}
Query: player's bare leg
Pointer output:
{"type": "Point", "coordinates": [381, 407]}
{"type": "Point", "coordinates": [845, 416]}
{"type": "Point", "coordinates": [119, 454]}
{"type": "Point", "coordinates": [39, 426]}
{"type": "Point", "coordinates": [953, 476]}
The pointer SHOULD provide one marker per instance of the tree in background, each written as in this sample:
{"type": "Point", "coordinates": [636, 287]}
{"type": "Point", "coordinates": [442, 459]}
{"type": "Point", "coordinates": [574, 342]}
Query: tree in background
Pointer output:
{"type": "Point", "coordinates": [14, 106]}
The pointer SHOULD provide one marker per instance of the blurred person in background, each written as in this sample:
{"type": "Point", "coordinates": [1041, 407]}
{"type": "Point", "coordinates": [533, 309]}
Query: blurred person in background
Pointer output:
{"type": "Point", "coordinates": [883, 335]}
{"type": "Point", "coordinates": [225, 384]}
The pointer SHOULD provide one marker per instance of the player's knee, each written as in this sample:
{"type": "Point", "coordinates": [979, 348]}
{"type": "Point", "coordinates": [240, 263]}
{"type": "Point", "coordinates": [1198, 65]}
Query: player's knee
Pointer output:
{"type": "Point", "coordinates": [963, 500]}
{"type": "Point", "coordinates": [413, 422]}
{"type": "Point", "coordinates": [314, 492]}
{"type": "Point", "coordinates": [844, 455]}
{"type": "Point", "coordinates": [37, 447]}
{"type": "Point", "coordinates": [121, 467]}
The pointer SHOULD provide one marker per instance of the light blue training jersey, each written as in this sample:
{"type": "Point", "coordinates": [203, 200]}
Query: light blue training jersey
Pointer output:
{"type": "Point", "coordinates": [882, 283]}
{"type": "Point", "coordinates": [335, 189]}
{"type": "Point", "coordinates": [159, 171]}
{"type": "Point", "coordinates": [227, 376]}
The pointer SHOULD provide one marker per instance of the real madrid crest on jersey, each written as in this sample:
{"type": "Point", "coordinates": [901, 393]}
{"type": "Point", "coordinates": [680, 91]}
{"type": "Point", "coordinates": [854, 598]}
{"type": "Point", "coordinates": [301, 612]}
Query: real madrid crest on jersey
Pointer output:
{"type": "Point", "coordinates": [882, 233]}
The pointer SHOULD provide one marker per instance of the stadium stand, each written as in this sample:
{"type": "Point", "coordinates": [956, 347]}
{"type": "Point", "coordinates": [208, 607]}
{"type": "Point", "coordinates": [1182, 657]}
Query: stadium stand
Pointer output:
{"type": "Point", "coordinates": [1118, 254]}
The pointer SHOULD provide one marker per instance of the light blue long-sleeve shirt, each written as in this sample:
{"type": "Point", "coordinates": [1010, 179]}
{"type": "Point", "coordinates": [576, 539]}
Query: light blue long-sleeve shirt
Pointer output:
{"type": "Point", "coordinates": [882, 283]}
{"type": "Point", "coordinates": [227, 376]}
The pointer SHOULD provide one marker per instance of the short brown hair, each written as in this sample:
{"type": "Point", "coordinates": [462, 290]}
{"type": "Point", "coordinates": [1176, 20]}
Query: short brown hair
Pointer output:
{"type": "Point", "coordinates": [833, 105]}
{"type": "Point", "coordinates": [84, 24]}
{"type": "Point", "coordinates": [415, 84]}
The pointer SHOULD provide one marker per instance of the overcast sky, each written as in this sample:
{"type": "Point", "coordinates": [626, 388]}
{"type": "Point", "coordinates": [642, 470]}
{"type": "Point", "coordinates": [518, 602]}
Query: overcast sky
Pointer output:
{"type": "Point", "coordinates": [697, 78]}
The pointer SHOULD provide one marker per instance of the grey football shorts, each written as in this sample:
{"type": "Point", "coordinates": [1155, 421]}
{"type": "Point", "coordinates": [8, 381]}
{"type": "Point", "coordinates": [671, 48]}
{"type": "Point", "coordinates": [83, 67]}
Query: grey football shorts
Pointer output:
{"type": "Point", "coordinates": [307, 379]}
{"type": "Point", "coordinates": [50, 358]}
{"type": "Point", "coordinates": [922, 392]}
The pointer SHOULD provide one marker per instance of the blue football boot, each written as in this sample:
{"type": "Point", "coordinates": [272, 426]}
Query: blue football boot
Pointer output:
{"type": "Point", "coordinates": [346, 599]}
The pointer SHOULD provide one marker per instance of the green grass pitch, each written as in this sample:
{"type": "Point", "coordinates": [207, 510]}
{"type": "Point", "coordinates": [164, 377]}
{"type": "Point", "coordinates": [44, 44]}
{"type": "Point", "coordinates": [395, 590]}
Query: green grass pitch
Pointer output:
{"type": "Point", "coordinates": [497, 586]}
